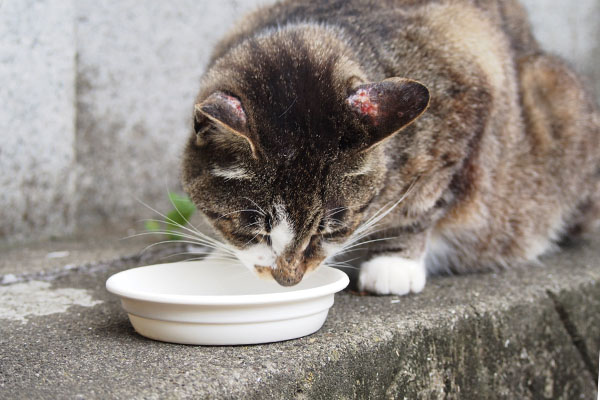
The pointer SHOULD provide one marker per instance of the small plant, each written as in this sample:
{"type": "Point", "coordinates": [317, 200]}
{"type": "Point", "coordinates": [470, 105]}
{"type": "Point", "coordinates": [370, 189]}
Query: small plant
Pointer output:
{"type": "Point", "coordinates": [183, 209]}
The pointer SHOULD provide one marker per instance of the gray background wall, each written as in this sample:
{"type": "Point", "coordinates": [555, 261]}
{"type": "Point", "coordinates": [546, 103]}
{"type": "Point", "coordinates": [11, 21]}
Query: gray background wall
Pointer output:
{"type": "Point", "coordinates": [96, 96]}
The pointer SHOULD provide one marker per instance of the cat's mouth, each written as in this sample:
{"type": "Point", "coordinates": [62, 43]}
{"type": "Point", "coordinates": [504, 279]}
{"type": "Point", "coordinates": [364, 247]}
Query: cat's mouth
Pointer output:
{"type": "Point", "coordinates": [287, 273]}
{"type": "Point", "coordinates": [283, 276]}
{"type": "Point", "coordinates": [264, 272]}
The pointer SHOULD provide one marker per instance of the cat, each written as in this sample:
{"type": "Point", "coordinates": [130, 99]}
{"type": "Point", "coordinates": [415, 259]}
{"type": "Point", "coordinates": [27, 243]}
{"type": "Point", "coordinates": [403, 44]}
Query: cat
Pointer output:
{"type": "Point", "coordinates": [433, 136]}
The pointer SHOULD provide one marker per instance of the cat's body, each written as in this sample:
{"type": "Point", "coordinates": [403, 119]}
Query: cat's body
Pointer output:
{"type": "Point", "coordinates": [297, 123]}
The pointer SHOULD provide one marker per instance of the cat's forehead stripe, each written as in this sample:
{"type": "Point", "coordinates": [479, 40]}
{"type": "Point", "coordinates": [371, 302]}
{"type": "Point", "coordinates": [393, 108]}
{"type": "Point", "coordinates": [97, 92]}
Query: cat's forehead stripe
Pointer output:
{"type": "Point", "coordinates": [282, 232]}
{"type": "Point", "coordinates": [233, 172]}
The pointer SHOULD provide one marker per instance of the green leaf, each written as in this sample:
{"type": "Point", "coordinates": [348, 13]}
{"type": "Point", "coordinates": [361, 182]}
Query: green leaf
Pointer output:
{"type": "Point", "coordinates": [174, 236]}
{"type": "Point", "coordinates": [183, 210]}
{"type": "Point", "coordinates": [152, 226]}
{"type": "Point", "coordinates": [183, 205]}
{"type": "Point", "coordinates": [174, 218]}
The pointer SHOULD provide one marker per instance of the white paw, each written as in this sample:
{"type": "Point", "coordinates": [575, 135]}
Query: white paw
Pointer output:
{"type": "Point", "coordinates": [392, 275]}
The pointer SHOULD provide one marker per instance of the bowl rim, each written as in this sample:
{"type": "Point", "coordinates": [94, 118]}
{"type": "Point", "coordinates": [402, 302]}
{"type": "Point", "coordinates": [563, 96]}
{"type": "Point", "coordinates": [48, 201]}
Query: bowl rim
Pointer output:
{"type": "Point", "coordinates": [113, 286]}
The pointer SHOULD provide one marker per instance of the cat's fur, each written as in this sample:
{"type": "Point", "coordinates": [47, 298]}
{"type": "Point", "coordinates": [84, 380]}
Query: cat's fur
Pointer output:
{"type": "Point", "coordinates": [300, 136]}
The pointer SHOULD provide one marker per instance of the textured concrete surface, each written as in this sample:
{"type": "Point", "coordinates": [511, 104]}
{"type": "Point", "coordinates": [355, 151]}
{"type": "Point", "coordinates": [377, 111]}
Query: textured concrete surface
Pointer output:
{"type": "Point", "coordinates": [97, 99]}
{"type": "Point", "coordinates": [37, 117]}
{"type": "Point", "coordinates": [527, 333]}
{"type": "Point", "coordinates": [90, 247]}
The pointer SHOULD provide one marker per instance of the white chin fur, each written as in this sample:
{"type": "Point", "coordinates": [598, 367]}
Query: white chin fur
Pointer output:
{"type": "Point", "coordinates": [258, 254]}
{"type": "Point", "coordinates": [282, 232]}
{"type": "Point", "coordinates": [263, 255]}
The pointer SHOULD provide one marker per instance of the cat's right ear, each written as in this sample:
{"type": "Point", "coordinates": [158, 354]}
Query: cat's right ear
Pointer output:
{"type": "Point", "coordinates": [387, 107]}
{"type": "Point", "coordinates": [224, 112]}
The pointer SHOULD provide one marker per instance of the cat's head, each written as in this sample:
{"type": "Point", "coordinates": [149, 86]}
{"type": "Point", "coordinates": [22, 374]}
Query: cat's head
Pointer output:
{"type": "Point", "coordinates": [285, 156]}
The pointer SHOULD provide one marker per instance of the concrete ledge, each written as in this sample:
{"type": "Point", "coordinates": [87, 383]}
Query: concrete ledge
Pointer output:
{"type": "Point", "coordinates": [519, 334]}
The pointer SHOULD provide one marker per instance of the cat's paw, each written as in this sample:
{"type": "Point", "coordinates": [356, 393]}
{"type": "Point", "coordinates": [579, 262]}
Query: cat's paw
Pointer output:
{"type": "Point", "coordinates": [392, 275]}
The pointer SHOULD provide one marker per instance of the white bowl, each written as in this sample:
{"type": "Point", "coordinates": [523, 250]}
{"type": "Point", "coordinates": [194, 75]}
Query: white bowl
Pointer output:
{"type": "Point", "coordinates": [220, 303]}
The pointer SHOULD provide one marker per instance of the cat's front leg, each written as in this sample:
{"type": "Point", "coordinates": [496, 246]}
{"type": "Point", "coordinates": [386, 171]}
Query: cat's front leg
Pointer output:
{"type": "Point", "coordinates": [392, 274]}
{"type": "Point", "coordinates": [395, 272]}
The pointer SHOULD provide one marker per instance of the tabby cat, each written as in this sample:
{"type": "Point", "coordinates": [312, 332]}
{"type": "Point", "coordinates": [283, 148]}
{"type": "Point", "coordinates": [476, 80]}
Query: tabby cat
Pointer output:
{"type": "Point", "coordinates": [433, 136]}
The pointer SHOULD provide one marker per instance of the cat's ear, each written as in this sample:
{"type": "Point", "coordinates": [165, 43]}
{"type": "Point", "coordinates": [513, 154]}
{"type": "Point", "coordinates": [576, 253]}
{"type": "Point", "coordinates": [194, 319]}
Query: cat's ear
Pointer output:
{"type": "Point", "coordinates": [388, 106]}
{"type": "Point", "coordinates": [224, 112]}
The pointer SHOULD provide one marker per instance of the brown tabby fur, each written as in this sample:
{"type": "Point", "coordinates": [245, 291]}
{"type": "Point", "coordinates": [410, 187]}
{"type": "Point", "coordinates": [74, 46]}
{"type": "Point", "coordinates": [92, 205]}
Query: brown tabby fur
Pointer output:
{"type": "Point", "coordinates": [503, 164]}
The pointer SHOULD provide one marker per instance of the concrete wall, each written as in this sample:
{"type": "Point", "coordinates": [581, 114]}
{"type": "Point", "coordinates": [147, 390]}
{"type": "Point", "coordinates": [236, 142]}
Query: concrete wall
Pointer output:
{"type": "Point", "coordinates": [96, 99]}
{"type": "Point", "coordinates": [37, 117]}
{"type": "Point", "coordinates": [97, 94]}
{"type": "Point", "coordinates": [139, 65]}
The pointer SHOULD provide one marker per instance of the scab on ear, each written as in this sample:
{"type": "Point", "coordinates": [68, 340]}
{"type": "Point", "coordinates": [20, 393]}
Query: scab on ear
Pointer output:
{"type": "Point", "coordinates": [226, 114]}
{"type": "Point", "coordinates": [388, 106]}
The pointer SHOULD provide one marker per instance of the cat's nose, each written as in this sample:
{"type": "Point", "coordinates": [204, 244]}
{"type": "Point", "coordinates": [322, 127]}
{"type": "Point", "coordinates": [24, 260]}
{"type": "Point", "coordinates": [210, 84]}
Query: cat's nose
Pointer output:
{"type": "Point", "coordinates": [289, 270]}
{"type": "Point", "coordinates": [285, 279]}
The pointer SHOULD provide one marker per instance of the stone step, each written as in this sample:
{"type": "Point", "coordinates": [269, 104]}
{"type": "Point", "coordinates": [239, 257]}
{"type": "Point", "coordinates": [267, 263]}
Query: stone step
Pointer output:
{"type": "Point", "coordinates": [522, 333]}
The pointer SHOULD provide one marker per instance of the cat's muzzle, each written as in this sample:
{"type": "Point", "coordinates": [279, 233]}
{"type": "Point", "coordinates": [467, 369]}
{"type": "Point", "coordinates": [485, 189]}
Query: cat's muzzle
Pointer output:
{"type": "Point", "coordinates": [288, 272]}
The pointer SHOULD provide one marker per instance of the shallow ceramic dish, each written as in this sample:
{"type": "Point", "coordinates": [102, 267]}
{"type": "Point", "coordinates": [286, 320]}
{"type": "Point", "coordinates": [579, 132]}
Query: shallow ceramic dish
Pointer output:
{"type": "Point", "coordinates": [220, 303]}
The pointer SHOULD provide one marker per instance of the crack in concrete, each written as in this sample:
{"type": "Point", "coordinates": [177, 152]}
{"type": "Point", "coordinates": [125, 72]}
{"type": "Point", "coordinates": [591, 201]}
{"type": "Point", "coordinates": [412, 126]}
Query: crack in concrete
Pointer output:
{"type": "Point", "coordinates": [574, 334]}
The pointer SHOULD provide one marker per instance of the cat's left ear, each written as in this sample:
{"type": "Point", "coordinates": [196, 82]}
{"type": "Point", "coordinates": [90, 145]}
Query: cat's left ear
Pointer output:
{"type": "Point", "coordinates": [226, 112]}
{"type": "Point", "coordinates": [388, 106]}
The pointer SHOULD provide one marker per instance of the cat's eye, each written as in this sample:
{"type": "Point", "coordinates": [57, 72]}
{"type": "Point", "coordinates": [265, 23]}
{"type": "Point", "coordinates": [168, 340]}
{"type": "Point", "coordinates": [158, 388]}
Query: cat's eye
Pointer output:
{"type": "Point", "coordinates": [322, 225]}
{"type": "Point", "coordinates": [268, 223]}
{"type": "Point", "coordinates": [262, 238]}
{"type": "Point", "coordinates": [331, 228]}
{"type": "Point", "coordinates": [246, 239]}
{"type": "Point", "coordinates": [334, 221]}
{"type": "Point", "coordinates": [338, 233]}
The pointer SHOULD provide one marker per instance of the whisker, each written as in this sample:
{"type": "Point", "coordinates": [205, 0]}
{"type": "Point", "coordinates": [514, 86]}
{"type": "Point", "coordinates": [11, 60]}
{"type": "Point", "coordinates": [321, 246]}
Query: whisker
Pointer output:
{"type": "Point", "coordinates": [370, 241]}
{"type": "Point", "coordinates": [213, 258]}
{"type": "Point", "coordinates": [196, 240]}
{"type": "Point", "coordinates": [170, 221]}
{"type": "Point", "coordinates": [196, 232]}
{"type": "Point", "coordinates": [343, 252]}
{"type": "Point", "coordinates": [343, 262]}
{"type": "Point", "coordinates": [334, 211]}
{"type": "Point", "coordinates": [170, 241]}
{"type": "Point", "coordinates": [344, 266]}
{"type": "Point", "coordinates": [372, 220]}
{"type": "Point", "coordinates": [191, 236]}
{"type": "Point", "coordinates": [252, 224]}
{"type": "Point", "coordinates": [205, 254]}
{"type": "Point", "coordinates": [363, 235]}
{"type": "Point", "coordinates": [179, 212]}
{"type": "Point", "coordinates": [378, 216]}
{"type": "Point", "coordinates": [257, 206]}
{"type": "Point", "coordinates": [187, 222]}
{"type": "Point", "coordinates": [408, 191]}
{"type": "Point", "coordinates": [162, 231]}
{"type": "Point", "coordinates": [368, 227]}
{"type": "Point", "coordinates": [249, 241]}
{"type": "Point", "coordinates": [339, 223]}
{"type": "Point", "coordinates": [239, 211]}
